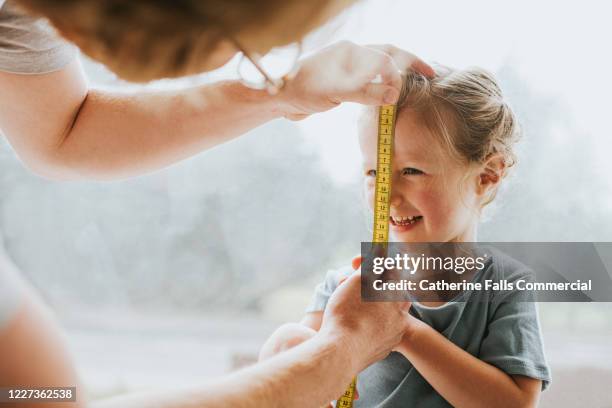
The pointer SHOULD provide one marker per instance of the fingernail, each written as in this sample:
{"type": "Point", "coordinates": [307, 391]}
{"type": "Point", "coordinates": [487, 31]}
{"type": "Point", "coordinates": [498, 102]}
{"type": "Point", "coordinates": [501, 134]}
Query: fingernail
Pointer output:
{"type": "Point", "coordinates": [390, 96]}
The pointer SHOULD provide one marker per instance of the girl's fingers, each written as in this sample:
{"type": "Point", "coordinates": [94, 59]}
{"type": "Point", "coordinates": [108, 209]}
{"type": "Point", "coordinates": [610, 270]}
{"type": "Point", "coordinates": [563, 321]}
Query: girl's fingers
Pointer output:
{"type": "Point", "coordinates": [356, 264]}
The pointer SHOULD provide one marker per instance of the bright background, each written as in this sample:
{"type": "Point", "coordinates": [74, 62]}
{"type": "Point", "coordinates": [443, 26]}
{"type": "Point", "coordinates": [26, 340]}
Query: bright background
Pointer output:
{"type": "Point", "coordinates": [179, 276]}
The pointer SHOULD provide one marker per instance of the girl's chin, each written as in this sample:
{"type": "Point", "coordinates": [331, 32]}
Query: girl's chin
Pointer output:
{"type": "Point", "coordinates": [407, 236]}
{"type": "Point", "coordinates": [408, 239]}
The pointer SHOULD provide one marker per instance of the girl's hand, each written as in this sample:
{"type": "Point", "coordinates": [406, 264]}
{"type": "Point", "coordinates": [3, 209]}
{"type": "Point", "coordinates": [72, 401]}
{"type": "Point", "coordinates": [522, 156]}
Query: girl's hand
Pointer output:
{"type": "Point", "coordinates": [414, 326]}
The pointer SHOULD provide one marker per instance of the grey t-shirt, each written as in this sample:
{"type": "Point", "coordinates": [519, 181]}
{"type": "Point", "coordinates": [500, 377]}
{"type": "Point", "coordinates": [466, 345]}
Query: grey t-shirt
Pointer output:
{"type": "Point", "coordinates": [29, 45]}
{"type": "Point", "coordinates": [500, 330]}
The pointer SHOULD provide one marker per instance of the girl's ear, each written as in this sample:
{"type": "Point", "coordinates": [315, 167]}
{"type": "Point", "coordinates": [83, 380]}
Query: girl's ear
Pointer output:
{"type": "Point", "coordinates": [491, 173]}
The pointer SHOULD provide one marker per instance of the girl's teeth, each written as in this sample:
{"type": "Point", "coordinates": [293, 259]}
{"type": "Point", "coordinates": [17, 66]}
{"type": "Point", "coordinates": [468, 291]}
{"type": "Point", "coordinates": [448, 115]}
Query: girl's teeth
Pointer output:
{"type": "Point", "coordinates": [405, 220]}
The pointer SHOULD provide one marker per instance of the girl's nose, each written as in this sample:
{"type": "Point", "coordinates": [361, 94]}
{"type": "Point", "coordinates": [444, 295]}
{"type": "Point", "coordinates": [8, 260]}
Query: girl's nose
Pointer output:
{"type": "Point", "coordinates": [396, 199]}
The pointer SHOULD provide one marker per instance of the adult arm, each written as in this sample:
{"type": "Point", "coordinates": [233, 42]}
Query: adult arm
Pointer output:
{"type": "Point", "coordinates": [33, 354]}
{"type": "Point", "coordinates": [62, 129]}
{"type": "Point", "coordinates": [462, 379]}
{"type": "Point", "coordinates": [308, 375]}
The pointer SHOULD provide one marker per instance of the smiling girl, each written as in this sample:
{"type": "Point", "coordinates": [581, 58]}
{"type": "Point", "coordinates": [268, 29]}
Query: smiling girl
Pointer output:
{"type": "Point", "coordinates": [453, 146]}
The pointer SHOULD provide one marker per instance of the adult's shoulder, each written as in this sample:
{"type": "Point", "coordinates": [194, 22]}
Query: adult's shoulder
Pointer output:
{"type": "Point", "coordinates": [28, 43]}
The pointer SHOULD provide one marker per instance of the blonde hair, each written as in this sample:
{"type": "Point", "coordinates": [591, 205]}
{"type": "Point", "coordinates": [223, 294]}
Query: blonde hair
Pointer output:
{"type": "Point", "coordinates": [466, 108]}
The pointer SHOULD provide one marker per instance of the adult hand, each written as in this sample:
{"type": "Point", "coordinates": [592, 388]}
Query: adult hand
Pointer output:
{"type": "Point", "coordinates": [369, 329]}
{"type": "Point", "coordinates": [343, 72]}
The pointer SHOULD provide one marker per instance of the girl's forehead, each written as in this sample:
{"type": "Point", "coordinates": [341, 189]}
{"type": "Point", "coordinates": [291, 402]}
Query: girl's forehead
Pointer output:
{"type": "Point", "coordinates": [413, 138]}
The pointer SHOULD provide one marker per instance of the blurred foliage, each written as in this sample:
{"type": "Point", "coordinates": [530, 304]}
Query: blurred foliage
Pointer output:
{"type": "Point", "coordinates": [220, 229]}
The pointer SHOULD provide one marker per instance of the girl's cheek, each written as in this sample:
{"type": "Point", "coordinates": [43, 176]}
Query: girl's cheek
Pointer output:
{"type": "Point", "coordinates": [441, 208]}
{"type": "Point", "coordinates": [369, 192]}
{"type": "Point", "coordinates": [431, 204]}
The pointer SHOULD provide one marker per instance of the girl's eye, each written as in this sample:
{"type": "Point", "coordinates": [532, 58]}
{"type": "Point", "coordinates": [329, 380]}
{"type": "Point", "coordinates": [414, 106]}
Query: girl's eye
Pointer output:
{"type": "Point", "coordinates": [371, 173]}
{"type": "Point", "coordinates": [410, 171]}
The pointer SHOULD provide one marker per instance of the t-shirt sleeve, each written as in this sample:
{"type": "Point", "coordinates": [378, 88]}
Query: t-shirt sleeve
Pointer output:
{"type": "Point", "coordinates": [324, 290]}
{"type": "Point", "coordinates": [513, 341]}
{"type": "Point", "coordinates": [29, 45]}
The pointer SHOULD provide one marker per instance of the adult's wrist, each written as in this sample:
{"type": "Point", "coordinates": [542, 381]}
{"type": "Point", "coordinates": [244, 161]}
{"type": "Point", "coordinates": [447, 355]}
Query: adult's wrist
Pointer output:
{"type": "Point", "coordinates": [241, 96]}
{"type": "Point", "coordinates": [345, 347]}
{"type": "Point", "coordinates": [282, 102]}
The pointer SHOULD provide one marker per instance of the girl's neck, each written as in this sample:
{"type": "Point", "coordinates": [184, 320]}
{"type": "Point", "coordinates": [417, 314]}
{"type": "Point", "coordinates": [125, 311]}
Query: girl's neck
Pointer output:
{"type": "Point", "coordinates": [469, 235]}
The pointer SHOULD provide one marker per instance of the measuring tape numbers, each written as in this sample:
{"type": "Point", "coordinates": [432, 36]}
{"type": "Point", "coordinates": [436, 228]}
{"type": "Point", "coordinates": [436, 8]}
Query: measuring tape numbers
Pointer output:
{"type": "Point", "coordinates": [382, 198]}
{"type": "Point", "coordinates": [382, 192]}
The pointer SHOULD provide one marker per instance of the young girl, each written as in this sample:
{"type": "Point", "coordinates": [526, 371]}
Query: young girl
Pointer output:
{"type": "Point", "coordinates": [453, 146]}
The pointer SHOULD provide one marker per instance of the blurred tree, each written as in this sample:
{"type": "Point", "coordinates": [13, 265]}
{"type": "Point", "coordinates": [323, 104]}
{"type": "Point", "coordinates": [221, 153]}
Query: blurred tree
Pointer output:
{"type": "Point", "coordinates": [556, 192]}
{"type": "Point", "coordinates": [218, 230]}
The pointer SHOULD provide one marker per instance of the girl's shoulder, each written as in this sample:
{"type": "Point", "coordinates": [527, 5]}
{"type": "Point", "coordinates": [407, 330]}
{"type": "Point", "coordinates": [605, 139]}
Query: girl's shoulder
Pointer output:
{"type": "Point", "coordinates": [504, 271]}
{"type": "Point", "coordinates": [504, 266]}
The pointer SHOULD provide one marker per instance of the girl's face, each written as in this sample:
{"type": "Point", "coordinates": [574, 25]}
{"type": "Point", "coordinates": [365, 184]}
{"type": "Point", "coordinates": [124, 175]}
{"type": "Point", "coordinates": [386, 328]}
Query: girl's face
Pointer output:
{"type": "Point", "coordinates": [433, 197]}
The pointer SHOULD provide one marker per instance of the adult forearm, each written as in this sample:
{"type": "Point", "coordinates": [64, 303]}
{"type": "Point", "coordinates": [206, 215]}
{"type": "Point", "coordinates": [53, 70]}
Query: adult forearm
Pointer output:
{"type": "Point", "coordinates": [309, 375]}
{"type": "Point", "coordinates": [33, 354]}
{"type": "Point", "coordinates": [462, 379]}
{"type": "Point", "coordinates": [120, 135]}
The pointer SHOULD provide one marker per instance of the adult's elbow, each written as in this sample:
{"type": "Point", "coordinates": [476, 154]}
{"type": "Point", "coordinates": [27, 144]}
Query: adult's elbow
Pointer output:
{"type": "Point", "coordinates": [51, 166]}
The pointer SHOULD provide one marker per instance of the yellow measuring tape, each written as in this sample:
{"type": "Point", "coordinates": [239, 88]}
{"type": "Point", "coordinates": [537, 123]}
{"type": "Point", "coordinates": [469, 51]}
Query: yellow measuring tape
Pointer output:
{"type": "Point", "coordinates": [382, 197]}
{"type": "Point", "coordinates": [382, 194]}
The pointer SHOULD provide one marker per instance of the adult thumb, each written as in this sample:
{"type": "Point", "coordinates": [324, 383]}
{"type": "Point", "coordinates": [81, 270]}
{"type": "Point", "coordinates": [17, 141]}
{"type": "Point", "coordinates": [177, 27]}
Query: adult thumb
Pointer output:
{"type": "Point", "coordinates": [376, 94]}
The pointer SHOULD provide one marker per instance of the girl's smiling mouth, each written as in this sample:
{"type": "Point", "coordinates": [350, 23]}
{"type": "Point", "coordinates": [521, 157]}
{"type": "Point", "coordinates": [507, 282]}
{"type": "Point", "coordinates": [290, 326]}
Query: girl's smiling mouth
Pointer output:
{"type": "Point", "coordinates": [400, 223]}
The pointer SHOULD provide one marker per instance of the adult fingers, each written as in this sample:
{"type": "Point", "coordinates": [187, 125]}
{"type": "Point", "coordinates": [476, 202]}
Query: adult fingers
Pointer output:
{"type": "Point", "coordinates": [376, 79]}
{"type": "Point", "coordinates": [297, 116]}
{"type": "Point", "coordinates": [374, 94]}
{"type": "Point", "coordinates": [390, 73]}
{"type": "Point", "coordinates": [405, 60]}
{"type": "Point", "coordinates": [405, 306]}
